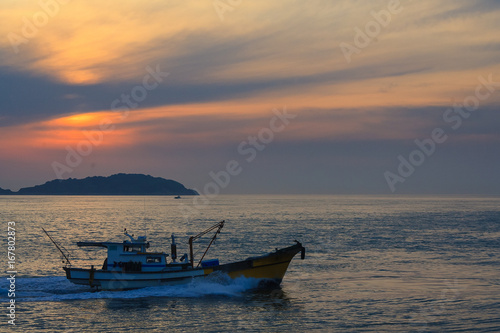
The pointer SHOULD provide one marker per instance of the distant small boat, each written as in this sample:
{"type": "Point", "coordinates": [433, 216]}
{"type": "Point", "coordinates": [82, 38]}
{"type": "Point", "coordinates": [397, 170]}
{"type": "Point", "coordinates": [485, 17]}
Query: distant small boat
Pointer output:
{"type": "Point", "coordinates": [177, 197]}
{"type": "Point", "coordinates": [129, 266]}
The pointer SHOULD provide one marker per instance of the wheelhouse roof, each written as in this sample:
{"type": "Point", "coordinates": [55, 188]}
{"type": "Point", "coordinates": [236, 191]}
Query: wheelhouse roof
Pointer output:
{"type": "Point", "coordinates": [106, 244]}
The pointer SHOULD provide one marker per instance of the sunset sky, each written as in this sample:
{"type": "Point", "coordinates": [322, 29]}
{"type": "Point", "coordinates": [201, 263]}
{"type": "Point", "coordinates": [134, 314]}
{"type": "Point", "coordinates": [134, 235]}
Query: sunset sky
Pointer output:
{"type": "Point", "coordinates": [306, 96]}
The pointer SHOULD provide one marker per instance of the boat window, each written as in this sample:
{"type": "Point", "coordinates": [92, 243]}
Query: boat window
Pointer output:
{"type": "Point", "coordinates": [132, 248]}
{"type": "Point", "coordinates": [153, 259]}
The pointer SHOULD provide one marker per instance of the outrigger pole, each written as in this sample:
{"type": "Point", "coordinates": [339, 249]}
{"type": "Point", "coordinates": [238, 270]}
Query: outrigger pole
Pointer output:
{"type": "Point", "coordinates": [58, 247]}
{"type": "Point", "coordinates": [217, 226]}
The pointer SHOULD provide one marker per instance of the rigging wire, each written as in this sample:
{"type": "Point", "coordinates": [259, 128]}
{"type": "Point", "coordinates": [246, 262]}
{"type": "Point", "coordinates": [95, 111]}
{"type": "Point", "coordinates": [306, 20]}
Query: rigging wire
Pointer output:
{"type": "Point", "coordinates": [64, 252]}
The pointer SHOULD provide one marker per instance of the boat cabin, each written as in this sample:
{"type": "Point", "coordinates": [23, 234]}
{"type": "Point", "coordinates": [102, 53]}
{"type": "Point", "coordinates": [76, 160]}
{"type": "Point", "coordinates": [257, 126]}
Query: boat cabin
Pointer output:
{"type": "Point", "coordinates": [132, 256]}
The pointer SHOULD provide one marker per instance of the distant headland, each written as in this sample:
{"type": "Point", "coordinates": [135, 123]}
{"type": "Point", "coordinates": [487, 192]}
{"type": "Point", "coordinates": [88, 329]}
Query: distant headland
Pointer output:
{"type": "Point", "coordinates": [119, 184]}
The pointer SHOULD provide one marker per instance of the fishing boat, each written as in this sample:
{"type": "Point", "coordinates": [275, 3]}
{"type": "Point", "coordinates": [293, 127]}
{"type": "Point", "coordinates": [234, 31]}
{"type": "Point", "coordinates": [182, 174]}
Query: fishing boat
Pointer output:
{"type": "Point", "coordinates": [129, 265]}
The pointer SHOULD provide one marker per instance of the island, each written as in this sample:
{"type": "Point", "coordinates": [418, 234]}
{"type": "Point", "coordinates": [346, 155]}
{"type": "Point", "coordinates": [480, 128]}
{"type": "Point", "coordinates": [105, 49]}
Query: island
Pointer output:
{"type": "Point", "coordinates": [2, 191]}
{"type": "Point", "coordinates": [118, 184]}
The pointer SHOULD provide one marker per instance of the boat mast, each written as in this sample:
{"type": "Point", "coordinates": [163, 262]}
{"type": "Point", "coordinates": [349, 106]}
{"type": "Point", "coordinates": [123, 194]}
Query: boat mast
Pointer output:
{"type": "Point", "coordinates": [217, 226]}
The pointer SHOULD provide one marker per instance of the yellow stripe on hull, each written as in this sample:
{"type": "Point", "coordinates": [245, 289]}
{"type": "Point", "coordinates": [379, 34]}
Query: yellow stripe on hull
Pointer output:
{"type": "Point", "coordinates": [275, 272]}
{"type": "Point", "coordinates": [269, 267]}
{"type": "Point", "coordinates": [271, 260]}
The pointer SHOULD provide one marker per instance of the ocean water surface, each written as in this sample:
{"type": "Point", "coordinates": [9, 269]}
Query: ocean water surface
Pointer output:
{"type": "Point", "coordinates": [373, 264]}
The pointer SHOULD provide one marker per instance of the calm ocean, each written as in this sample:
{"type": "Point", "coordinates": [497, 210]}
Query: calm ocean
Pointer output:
{"type": "Point", "coordinates": [373, 264]}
